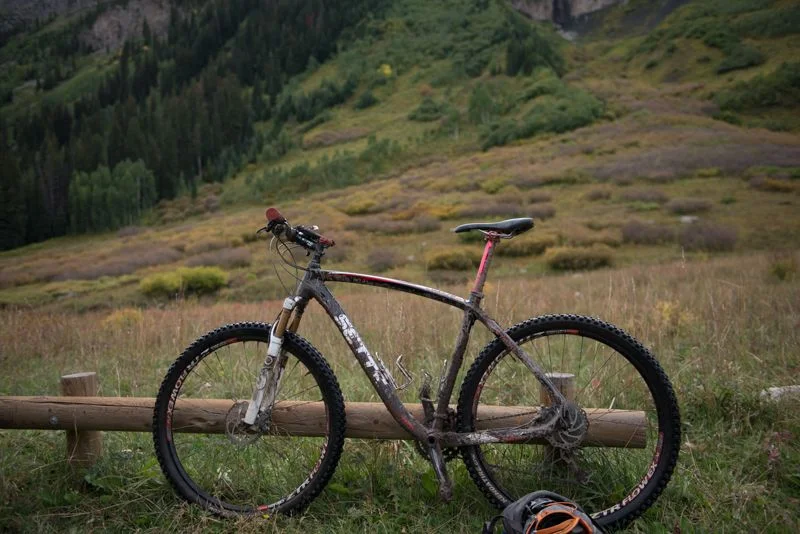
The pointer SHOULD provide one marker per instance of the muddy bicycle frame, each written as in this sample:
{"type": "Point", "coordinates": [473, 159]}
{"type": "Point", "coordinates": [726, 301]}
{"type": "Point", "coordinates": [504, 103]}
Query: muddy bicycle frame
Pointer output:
{"type": "Point", "coordinates": [312, 286]}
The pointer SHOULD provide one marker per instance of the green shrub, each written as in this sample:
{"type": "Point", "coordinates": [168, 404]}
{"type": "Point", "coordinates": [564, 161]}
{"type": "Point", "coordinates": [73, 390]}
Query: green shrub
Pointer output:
{"type": "Point", "coordinates": [708, 236]}
{"type": "Point", "coordinates": [578, 258]}
{"type": "Point", "coordinates": [184, 281]}
{"type": "Point", "coordinates": [770, 23]}
{"type": "Point", "coordinates": [493, 185]}
{"type": "Point", "coordinates": [773, 185]}
{"type": "Point", "coordinates": [366, 100]}
{"type": "Point", "coordinates": [642, 233]}
{"type": "Point", "coordinates": [382, 259]}
{"type": "Point", "coordinates": [780, 88]}
{"type": "Point", "coordinates": [527, 49]}
{"type": "Point", "coordinates": [568, 109]}
{"type": "Point", "coordinates": [740, 57]}
{"type": "Point", "coordinates": [312, 123]}
{"type": "Point", "coordinates": [482, 107]}
{"type": "Point", "coordinates": [686, 206]}
{"type": "Point", "coordinates": [783, 265]}
{"type": "Point", "coordinates": [429, 110]}
{"type": "Point", "coordinates": [471, 237]}
{"type": "Point", "coordinates": [549, 84]}
{"type": "Point", "coordinates": [526, 246]}
{"type": "Point", "coordinates": [453, 258]}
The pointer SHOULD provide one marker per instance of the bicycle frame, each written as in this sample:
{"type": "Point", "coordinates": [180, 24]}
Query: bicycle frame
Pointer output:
{"type": "Point", "coordinates": [312, 286]}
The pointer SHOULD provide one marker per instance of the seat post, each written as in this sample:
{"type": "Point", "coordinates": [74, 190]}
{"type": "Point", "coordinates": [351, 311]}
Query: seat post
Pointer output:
{"type": "Point", "coordinates": [486, 260]}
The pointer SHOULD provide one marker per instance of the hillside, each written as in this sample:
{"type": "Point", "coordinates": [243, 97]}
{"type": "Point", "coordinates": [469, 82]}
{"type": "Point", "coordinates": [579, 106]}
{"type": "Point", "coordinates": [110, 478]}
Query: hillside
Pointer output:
{"type": "Point", "coordinates": [616, 141]}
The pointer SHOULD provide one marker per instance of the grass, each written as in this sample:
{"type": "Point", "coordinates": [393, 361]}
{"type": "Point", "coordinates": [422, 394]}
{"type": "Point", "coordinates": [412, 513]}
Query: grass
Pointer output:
{"type": "Point", "coordinates": [696, 316]}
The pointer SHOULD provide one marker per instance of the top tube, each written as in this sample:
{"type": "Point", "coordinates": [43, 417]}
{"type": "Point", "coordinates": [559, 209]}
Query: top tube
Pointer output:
{"type": "Point", "coordinates": [399, 285]}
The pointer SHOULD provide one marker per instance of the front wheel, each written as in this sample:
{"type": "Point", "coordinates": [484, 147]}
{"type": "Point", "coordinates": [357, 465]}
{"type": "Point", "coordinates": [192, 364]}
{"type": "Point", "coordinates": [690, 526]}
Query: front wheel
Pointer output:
{"type": "Point", "coordinates": [212, 460]}
{"type": "Point", "coordinates": [610, 371]}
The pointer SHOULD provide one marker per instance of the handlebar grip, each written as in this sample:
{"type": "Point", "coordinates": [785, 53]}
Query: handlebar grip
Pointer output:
{"type": "Point", "coordinates": [274, 216]}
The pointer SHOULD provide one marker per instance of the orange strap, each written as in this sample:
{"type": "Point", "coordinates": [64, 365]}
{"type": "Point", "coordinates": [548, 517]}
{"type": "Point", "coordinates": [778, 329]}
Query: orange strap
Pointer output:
{"type": "Point", "coordinates": [564, 527]}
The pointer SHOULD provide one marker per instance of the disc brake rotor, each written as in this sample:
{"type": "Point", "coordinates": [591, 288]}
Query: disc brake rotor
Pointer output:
{"type": "Point", "coordinates": [239, 433]}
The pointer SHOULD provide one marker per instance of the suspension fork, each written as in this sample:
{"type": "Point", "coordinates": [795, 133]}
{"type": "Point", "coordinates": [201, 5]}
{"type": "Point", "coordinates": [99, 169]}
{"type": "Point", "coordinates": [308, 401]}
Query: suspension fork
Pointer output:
{"type": "Point", "coordinates": [270, 373]}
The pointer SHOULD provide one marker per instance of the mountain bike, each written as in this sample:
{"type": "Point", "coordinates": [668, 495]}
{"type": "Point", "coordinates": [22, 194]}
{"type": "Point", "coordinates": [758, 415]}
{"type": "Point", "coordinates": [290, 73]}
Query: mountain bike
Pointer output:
{"type": "Point", "coordinates": [514, 427]}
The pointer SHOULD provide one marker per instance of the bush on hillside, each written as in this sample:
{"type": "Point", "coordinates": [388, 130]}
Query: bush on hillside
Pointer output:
{"type": "Point", "coordinates": [645, 195]}
{"type": "Point", "coordinates": [453, 258]}
{"type": "Point", "coordinates": [641, 233]}
{"type": "Point", "coordinates": [740, 57]}
{"type": "Point", "coordinates": [428, 110]}
{"type": "Point", "coordinates": [382, 259]}
{"type": "Point", "coordinates": [579, 237]}
{"type": "Point", "coordinates": [366, 100]}
{"type": "Point", "coordinates": [780, 88]}
{"type": "Point", "coordinates": [567, 110]}
{"type": "Point", "coordinates": [579, 258]}
{"type": "Point", "coordinates": [526, 245]}
{"type": "Point", "coordinates": [537, 198]}
{"type": "Point", "coordinates": [597, 194]}
{"type": "Point", "coordinates": [184, 281]}
{"type": "Point", "coordinates": [708, 236]}
{"type": "Point", "coordinates": [687, 206]}
{"type": "Point", "coordinates": [541, 212]}
{"type": "Point", "coordinates": [528, 50]}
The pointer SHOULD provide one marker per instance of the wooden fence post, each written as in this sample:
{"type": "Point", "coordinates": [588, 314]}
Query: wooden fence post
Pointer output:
{"type": "Point", "coordinates": [84, 447]}
{"type": "Point", "coordinates": [564, 383]}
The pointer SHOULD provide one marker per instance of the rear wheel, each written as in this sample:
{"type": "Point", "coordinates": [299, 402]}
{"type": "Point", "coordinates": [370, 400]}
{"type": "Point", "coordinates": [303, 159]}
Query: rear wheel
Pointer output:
{"type": "Point", "coordinates": [231, 470]}
{"type": "Point", "coordinates": [611, 371]}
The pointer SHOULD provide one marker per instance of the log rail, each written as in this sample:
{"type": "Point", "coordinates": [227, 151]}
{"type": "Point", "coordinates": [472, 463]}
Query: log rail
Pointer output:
{"type": "Point", "coordinates": [83, 417]}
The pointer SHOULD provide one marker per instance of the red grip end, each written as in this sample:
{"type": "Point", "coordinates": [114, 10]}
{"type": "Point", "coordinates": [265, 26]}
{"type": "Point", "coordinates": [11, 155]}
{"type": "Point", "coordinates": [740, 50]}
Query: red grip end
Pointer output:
{"type": "Point", "coordinates": [274, 215]}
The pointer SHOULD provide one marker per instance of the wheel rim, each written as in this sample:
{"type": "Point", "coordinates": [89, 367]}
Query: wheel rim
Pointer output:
{"type": "Point", "coordinates": [236, 472]}
{"type": "Point", "coordinates": [600, 479]}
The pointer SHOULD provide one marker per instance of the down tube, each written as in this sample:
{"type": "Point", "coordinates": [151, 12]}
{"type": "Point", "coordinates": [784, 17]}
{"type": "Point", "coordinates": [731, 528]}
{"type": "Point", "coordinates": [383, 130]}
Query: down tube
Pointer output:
{"type": "Point", "coordinates": [374, 370]}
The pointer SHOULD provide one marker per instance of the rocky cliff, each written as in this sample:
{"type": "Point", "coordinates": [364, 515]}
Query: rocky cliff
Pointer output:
{"type": "Point", "coordinates": [117, 22]}
{"type": "Point", "coordinates": [561, 12]}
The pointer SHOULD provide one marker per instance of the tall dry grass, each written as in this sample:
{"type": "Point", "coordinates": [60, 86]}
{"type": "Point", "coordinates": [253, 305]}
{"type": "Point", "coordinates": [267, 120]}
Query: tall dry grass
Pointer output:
{"type": "Point", "coordinates": [723, 329]}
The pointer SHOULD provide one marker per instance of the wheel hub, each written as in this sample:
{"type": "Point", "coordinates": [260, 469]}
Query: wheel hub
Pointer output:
{"type": "Point", "coordinates": [571, 427]}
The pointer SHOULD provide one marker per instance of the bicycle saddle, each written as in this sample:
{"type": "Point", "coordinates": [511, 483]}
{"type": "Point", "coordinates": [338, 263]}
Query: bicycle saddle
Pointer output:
{"type": "Point", "coordinates": [509, 227]}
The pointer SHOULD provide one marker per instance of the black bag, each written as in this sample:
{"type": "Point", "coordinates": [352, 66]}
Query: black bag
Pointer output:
{"type": "Point", "coordinates": [544, 512]}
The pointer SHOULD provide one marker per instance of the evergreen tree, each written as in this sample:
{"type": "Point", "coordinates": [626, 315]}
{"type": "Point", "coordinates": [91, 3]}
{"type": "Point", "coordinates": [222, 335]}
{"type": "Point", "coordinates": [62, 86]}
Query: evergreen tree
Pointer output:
{"type": "Point", "coordinates": [12, 208]}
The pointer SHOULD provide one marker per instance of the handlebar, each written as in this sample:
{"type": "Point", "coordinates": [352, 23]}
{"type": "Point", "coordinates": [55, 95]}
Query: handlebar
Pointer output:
{"type": "Point", "coordinates": [306, 237]}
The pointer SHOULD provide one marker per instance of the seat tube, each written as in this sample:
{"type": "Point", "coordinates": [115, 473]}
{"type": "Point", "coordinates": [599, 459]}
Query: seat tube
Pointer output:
{"type": "Point", "coordinates": [483, 269]}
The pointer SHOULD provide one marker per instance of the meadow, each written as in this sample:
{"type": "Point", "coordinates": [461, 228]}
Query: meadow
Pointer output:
{"type": "Point", "coordinates": [723, 328]}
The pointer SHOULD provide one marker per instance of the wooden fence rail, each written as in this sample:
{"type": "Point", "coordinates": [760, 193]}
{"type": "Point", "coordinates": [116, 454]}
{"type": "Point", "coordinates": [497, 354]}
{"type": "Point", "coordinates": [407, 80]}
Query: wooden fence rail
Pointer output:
{"type": "Point", "coordinates": [84, 416]}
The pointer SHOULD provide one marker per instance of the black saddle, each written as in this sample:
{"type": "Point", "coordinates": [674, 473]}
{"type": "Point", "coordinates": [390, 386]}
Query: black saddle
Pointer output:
{"type": "Point", "coordinates": [509, 227]}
